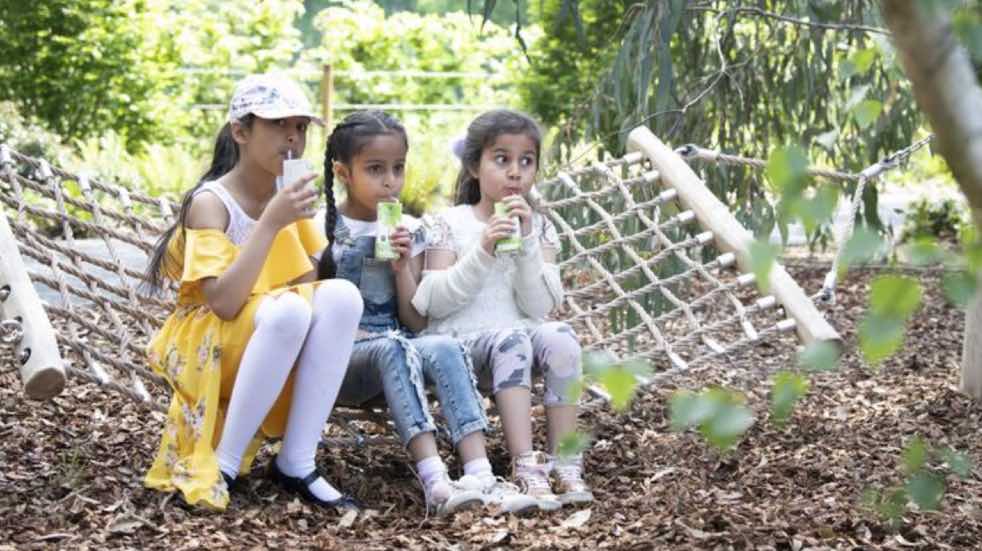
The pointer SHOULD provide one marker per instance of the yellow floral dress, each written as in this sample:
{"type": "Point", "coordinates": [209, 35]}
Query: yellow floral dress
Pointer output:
{"type": "Point", "coordinates": [198, 354]}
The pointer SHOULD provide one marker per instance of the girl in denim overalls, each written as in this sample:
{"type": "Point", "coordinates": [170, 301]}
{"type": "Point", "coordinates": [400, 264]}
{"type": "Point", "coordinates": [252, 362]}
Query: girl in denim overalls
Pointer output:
{"type": "Point", "coordinates": [367, 153]}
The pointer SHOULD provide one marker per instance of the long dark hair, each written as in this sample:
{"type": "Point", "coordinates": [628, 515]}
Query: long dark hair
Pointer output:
{"type": "Point", "coordinates": [347, 139]}
{"type": "Point", "coordinates": [224, 159]}
{"type": "Point", "coordinates": [481, 133]}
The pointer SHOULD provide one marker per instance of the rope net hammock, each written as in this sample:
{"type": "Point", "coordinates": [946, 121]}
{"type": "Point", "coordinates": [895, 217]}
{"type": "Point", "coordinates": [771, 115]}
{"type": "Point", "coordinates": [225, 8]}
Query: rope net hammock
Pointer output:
{"type": "Point", "coordinates": [655, 267]}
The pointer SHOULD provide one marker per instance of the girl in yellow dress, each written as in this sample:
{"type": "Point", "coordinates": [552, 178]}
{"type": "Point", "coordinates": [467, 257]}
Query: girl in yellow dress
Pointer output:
{"type": "Point", "coordinates": [249, 310]}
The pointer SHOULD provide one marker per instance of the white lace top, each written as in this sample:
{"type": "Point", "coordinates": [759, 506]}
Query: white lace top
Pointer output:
{"type": "Point", "coordinates": [494, 306]}
{"type": "Point", "coordinates": [240, 224]}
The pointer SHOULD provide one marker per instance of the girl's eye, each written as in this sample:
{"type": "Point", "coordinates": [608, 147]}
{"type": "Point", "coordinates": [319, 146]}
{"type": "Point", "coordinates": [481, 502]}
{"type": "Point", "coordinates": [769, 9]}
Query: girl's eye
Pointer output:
{"type": "Point", "coordinates": [527, 161]}
{"type": "Point", "coordinates": [399, 169]}
{"type": "Point", "coordinates": [375, 169]}
{"type": "Point", "coordinates": [280, 122]}
{"type": "Point", "coordinates": [302, 127]}
{"type": "Point", "coordinates": [500, 159]}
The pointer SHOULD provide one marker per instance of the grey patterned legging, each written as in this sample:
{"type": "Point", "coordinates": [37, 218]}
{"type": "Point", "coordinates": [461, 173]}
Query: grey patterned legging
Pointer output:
{"type": "Point", "coordinates": [504, 358]}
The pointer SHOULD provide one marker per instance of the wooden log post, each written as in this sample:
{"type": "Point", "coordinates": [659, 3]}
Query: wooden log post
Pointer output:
{"type": "Point", "coordinates": [41, 369]}
{"type": "Point", "coordinates": [730, 235]}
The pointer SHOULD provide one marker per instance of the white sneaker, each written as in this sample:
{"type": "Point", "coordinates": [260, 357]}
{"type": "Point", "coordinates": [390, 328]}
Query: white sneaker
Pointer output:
{"type": "Point", "coordinates": [500, 493]}
{"type": "Point", "coordinates": [530, 472]}
{"type": "Point", "coordinates": [569, 479]}
{"type": "Point", "coordinates": [445, 496]}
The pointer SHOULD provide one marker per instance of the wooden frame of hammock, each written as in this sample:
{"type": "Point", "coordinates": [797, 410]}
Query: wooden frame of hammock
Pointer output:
{"type": "Point", "coordinates": [730, 235]}
{"type": "Point", "coordinates": [43, 373]}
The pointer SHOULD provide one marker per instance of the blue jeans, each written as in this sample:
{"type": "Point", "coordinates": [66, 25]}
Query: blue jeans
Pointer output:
{"type": "Point", "coordinates": [398, 367]}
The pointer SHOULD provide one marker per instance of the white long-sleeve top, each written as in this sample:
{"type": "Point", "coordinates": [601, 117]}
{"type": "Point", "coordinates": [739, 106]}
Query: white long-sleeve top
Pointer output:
{"type": "Point", "coordinates": [480, 291]}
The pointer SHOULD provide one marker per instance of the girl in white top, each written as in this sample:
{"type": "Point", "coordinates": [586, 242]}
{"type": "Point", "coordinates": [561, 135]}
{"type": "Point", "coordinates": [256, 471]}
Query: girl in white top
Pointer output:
{"type": "Point", "coordinates": [497, 305]}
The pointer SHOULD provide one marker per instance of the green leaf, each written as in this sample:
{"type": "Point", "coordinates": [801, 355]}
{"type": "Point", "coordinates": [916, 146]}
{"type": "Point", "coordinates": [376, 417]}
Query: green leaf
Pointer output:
{"type": "Point", "coordinates": [894, 295]}
{"type": "Point", "coordinates": [620, 384]}
{"type": "Point", "coordinates": [786, 169]}
{"type": "Point", "coordinates": [819, 356]}
{"type": "Point", "coordinates": [959, 463]}
{"type": "Point", "coordinates": [925, 252]}
{"type": "Point", "coordinates": [762, 257]}
{"type": "Point", "coordinates": [926, 490]}
{"type": "Point", "coordinates": [788, 389]}
{"type": "Point", "coordinates": [595, 362]}
{"type": "Point", "coordinates": [968, 27]}
{"type": "Point", "coordinates": [880, 336]}
{"type": "Point", "coordinates": [817, 209]}
{"type": "Point", "coordinates": [959, 287]}
{"type": "Point", "coordinates": [574, 391]}
{"type": "Point", "coordinates": [729, 424]}
{"type": "Point", "coordinates": [573, 444]}
{"type": "Point", "coordinates": [860, 248]}
{"type": "Point", "coordinates": [914, 455]}
{"type": "Point", "coordinates": [688, 409]}
{"type": "Point", "coordinates": [867, 112]}
{"type": "Point", "coordinates": [718, 413]}
{"type": "Point", "coordinates": [863, 60]}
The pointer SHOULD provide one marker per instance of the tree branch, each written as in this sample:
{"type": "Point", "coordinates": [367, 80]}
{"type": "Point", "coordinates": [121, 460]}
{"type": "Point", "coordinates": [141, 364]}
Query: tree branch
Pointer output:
{"type": "Point", "coordinates": [794, 21]}
{"type": "Point", "coordinates": [944, 85]}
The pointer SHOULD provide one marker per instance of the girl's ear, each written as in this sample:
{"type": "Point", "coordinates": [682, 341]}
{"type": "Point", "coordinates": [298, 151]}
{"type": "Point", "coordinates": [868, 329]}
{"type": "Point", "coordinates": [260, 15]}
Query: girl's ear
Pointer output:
{"type": "Point", "coordinates": [341, 172]}
{"type": "Point", "coordinates": [472, 169]}
{"type": "Point", "coordinates": [239, 133]}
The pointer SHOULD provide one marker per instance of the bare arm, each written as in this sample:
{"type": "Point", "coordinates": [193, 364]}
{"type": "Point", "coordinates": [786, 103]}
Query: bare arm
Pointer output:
{"type": "Point", "coordinates": [227, 293]}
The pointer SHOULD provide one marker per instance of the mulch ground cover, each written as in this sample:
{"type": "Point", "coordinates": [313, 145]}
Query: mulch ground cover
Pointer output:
{"type": "Point", "coordinates": [72, 467]}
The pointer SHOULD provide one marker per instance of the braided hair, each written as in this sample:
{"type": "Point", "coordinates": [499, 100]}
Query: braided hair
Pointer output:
{"type": "Point", "coordinates": [346, 140]}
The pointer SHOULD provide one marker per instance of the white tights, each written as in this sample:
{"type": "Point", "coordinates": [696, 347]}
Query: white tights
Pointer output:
{"type": "Point", "coordinates": [319, 341]}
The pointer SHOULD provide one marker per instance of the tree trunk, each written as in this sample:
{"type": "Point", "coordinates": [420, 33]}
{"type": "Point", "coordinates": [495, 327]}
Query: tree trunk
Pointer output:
{"type": "Point", "coordinates": [946, 89]}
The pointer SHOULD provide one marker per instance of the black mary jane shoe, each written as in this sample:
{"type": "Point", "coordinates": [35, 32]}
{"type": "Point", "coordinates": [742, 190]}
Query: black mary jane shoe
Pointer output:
{"type": "Point", "coordinates": [301, 487]}
{"type": "Point", "coordinates": [230, 482]}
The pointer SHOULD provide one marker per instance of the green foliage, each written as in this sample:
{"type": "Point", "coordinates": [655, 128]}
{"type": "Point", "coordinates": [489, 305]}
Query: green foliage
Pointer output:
{"type": "Point", "coordinates": [156, 170]}
{"type": "Point", "coordinates": [941, 220]}
{"type": "Point", "coordinates": [893, 299]}
{"type": "Point", "coordinates": [570, 56]}
{"type": "Point", "coordinates": [819, 356]}
{"type": "Point", "coordinates": [219, 43]}
{"type": "Point", "coordinates": [725, 76]}
{"type": "Point", "coordinates": [88, 66]}
{"type": "Point", "coordinates": [357, 37]}
{"type": "Point", "coordinates": [862, 246]}
{"type": "Point", "coordinates": [788, 388]}
{"type": "Point", "coordinates": [719, 415]}
{"type": "Point", "coordinates": [573, 444]}
{"type": "Point", "coordinates": [762, 257]}
{"type": "Point", "coordinates": [923, 484]}
{"type": "Point", "coordinates": [619, 379]}
{"type": "Point", "coordinates": [27, 136]}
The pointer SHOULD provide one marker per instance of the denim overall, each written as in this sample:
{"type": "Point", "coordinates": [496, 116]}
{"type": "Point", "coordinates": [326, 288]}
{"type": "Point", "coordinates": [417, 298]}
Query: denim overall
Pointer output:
{"type": "Point", "coordinates": [394, 362]}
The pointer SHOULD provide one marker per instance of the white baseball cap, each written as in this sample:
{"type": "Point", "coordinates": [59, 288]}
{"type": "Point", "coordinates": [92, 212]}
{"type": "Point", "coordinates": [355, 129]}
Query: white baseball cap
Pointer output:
{"type": "Point", "coordinates": [270, 96]}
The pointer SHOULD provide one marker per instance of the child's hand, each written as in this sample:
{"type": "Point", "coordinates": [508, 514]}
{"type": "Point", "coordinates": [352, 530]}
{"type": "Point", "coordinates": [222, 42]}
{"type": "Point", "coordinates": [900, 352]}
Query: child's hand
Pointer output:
{"type": "Point", "coordinates": [294, 201]}
{"type": "Point", "coordinates": [517, 206]}
{"type": "Point", "coordinates": [402, 244]}
{"type": "Point", "coordinates": [498, 228]}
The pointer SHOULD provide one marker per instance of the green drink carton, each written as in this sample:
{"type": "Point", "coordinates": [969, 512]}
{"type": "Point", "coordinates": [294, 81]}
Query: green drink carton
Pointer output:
{"type": "Point", "coordinates": [389, 216]}
{"type": "Point", "coordinates": [509, 245]}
